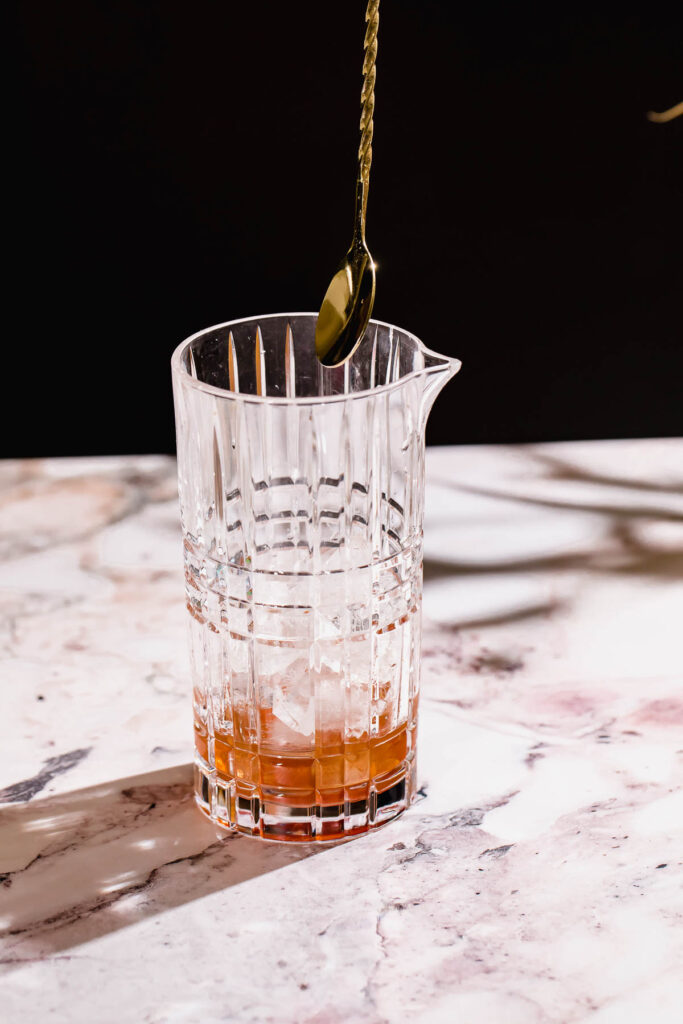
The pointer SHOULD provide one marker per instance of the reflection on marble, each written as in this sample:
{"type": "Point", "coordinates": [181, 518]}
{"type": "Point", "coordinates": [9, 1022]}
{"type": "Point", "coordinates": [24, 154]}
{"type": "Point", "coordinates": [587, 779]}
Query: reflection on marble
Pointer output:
{"type": "Point", "coordinates": [537, 878]}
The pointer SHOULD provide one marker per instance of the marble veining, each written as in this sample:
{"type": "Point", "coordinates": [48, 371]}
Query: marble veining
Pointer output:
{"type": "Point", "coordinates": [536, 880]}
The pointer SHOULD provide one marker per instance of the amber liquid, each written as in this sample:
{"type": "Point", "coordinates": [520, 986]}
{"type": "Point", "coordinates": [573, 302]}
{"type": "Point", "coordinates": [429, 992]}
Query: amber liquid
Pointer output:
{"type": "Point", "coordinates": [287, 770]}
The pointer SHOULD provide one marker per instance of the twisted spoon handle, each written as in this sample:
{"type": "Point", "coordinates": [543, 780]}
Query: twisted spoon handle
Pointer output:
{"type": "Point", "coordinates": [367, 100]}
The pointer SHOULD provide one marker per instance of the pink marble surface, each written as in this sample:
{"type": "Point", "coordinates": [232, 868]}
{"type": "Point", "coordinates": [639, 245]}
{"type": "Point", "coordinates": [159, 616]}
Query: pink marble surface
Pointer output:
{"type": "Point", "coordinates": [537, 879]}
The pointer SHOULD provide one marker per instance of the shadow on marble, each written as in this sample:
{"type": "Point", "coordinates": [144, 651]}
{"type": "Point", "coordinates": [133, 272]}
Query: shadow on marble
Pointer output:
{"type": "Point", "coordinates": [80, 865]}
{"type": "Point", "coordinates": [542, 610]}
{"type": "Point", "coordinates": [636, 539]}
{"type": "Point", "coordinates": [561, 469]}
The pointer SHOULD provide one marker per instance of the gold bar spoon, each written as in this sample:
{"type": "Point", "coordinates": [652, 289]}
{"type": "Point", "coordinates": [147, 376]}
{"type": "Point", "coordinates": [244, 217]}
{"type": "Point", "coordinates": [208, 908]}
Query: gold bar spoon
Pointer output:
{"type": "Point", "coordinates": [349, 299]}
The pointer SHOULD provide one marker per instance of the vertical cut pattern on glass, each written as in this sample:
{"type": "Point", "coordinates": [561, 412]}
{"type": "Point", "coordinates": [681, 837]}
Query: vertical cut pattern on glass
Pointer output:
{"type": "Point", "coordinates": [302, 527]}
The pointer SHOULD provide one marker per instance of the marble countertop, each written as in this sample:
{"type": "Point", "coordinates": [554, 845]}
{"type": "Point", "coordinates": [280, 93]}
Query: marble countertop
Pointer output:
{"type": "Point", "coordinates": [538, 878]}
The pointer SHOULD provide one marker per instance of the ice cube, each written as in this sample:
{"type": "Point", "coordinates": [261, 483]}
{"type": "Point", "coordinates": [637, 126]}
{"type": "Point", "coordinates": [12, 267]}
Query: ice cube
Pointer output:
{"type": "Point", "coordinates": [294, 709]}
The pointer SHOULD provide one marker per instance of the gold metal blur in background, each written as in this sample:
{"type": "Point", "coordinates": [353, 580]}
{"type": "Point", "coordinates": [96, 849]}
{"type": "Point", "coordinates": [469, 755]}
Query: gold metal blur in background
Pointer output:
{"type": "Point", "coordinates": [665, 115]}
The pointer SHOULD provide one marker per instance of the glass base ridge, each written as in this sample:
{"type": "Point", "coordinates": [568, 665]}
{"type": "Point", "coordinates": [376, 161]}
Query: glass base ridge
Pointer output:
{"type": "Point", "coordinates": [290, 817]}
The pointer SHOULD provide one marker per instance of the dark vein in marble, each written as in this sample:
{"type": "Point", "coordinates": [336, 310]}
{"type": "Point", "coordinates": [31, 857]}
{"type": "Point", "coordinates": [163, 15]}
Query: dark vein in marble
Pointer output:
{"type": "Point", "coordinates": [18, 960]}
{"type": "Point", "coordinates": [471, 817]}
{"type": "Point", "coordinates": [497, 851]}
{"type": "Point", "coordinates": [22, 792]}
{"type": "Point", "coordinates": [7, 877]}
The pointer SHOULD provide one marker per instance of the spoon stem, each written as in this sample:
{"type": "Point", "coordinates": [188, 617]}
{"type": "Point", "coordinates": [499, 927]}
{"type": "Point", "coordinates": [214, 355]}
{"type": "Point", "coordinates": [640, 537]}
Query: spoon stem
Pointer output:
{"type": "Point", "coordinates": [367, 100]}
{"type": "Point", "coordinates": [359, 213]}
{"type": "Point", "coordinates": [347, 306]}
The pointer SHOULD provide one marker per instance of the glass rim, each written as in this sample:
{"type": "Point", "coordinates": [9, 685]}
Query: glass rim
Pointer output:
{"type": "Point", "coordinates": [442, 363]}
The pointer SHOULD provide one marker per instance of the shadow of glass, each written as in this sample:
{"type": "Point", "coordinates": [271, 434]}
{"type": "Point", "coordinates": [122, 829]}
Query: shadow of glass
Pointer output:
{"type": "Point", "coordinates": [78, 866]}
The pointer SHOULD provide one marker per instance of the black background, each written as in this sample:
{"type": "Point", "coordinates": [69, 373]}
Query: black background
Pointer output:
{"type": "Point", "coordinates": [176, 165]}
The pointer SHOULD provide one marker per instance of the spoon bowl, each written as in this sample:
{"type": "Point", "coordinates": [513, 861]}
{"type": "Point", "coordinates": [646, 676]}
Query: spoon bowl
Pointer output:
{"type": "Point", "coordinates": [347, 306]}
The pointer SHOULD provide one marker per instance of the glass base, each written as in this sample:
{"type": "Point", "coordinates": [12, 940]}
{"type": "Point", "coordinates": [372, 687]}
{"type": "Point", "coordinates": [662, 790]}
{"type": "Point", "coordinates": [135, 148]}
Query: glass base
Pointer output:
{"type": "Point", "coordinates": [277, 816]}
